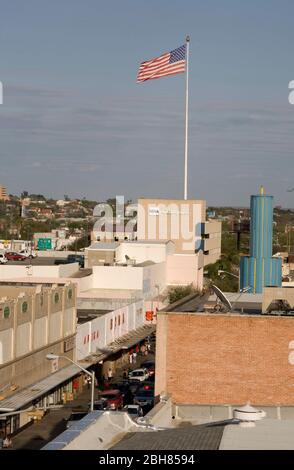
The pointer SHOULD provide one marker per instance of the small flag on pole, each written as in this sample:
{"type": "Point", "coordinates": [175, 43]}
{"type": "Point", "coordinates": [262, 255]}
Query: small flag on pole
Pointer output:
{"type": "Point", "coordinates": [169, 63]}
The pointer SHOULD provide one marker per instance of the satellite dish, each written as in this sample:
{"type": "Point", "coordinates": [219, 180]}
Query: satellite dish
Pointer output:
{"type": "Point", "coordinates": [221, 296]}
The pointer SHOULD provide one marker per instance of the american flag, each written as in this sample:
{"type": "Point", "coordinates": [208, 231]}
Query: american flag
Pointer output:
{"type": "Point", "coordinates": [169, 63]}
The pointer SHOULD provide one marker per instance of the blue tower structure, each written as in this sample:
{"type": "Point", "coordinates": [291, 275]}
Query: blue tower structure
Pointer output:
{"type": "Point", "coordinates": [260, 269]}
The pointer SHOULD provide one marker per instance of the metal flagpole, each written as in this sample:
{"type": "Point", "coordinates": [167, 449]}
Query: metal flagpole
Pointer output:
{"type": "Point", "coordinates": [186, 125]}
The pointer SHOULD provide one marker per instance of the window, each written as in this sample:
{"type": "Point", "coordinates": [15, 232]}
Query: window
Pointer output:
{"type": "Point", "coordinates": [6, 312]}
{"type": "Point", "coordinates": [56, 298]}
{"type": "Point", "coordinates": [111, 324]}
{"type": "Point", "coordinates": [24, 307]}
{"type": "Point", "coordinates": [69, 294]}
{"type": "Point", "coordinates": [123, 318]}
{"type": "Point", "coordinates": [115, 322]}
{"type": "Point", "coordinates": [119, 320]}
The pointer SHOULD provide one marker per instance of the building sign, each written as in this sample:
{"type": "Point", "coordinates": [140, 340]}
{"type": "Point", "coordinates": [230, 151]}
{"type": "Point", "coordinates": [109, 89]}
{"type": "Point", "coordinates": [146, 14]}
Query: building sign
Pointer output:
{"type": "Point", "coordinates": [153, 210]}
{"type": "Point", "coordinates": [69, 344]}
{"type": "Point", "coordinates": [44, 244]}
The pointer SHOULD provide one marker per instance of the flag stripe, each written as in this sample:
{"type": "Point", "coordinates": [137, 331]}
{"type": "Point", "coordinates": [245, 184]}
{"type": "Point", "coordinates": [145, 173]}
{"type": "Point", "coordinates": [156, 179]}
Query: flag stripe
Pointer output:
{"type": "Point", "coordinates": [168, 63]}
{"type": "Point", "coordinates": [169, 69]}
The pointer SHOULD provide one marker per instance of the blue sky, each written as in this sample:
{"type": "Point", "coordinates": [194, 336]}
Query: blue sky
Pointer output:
{"type": "Point", "coordinates": [74, 121]}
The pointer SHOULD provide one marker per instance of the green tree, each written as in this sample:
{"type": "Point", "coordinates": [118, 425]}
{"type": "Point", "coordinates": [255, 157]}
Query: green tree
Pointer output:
{"type": "Point", "coordinates": [178, 292]}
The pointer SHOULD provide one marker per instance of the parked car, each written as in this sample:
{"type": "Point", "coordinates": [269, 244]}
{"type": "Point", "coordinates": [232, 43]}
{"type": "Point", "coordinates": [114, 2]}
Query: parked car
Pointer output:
{"type": "Point", "coordinates": [60, 261]}
{"type": "Point", "coordinates": [124, 388]}
{"type": "Point", "coordinates": [147, 385]}
{"type": "Point", "coordinates": [3, 258]}
{"type": "Point", "coordinates": [99, 404]}
{"type": "Point", "coordinates": [114, 399]}
{"type": "Point", "coordinates": [76, 259]}
{"type": "Point", "coordinates": [139, 374]}
{"type": "Point", "coordinates": [134, 385]}
{"type": "Point", "coordinates": [74, 417]}
{"type": "Point", "coordinates": [28, 253]}
{"type": "Point", "coordinates": [144, 398]}
{"type": "Point", "coordinates": [150, 366]}
{"type": "Point", "coordinates": [134, 410]}
{"type": "Point", "coordinates": [13, 256]}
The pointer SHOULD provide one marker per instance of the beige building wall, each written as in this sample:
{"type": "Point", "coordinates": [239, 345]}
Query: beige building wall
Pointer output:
{"type": "Point", "coordinates": [34, 321]}
{"type": "Point", "coordinates": [271, 294]}
{"type": "Point", "coordinates": [98, 257]}
{"type": "Point", "coordinates": [172, 219]}
{"type": "Point", "coordinates": [184, 269]}
{"type": "Point", "coordinates": [140, 252]}
{"type": "Point", "coordinates": [212, 238]}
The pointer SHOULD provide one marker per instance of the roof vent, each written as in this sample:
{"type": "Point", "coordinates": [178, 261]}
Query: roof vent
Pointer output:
{"type": "Point", "coordinates": [247, 415]}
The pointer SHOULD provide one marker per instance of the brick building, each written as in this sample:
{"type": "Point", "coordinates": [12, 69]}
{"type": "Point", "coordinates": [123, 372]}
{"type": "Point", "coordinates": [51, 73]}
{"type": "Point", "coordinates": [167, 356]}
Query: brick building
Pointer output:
{"type": "Point", "coordinates": [225, 358]}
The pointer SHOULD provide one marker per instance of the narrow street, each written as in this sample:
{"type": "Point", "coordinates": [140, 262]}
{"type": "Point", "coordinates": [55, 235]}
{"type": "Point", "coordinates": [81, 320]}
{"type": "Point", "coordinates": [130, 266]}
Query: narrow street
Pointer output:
{"type": "Point", "coordinates": [41, 432]}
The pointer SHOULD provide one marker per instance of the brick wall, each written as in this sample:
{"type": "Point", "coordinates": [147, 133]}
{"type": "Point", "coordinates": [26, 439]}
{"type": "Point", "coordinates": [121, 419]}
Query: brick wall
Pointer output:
{"type": "Point", "coordinates": [225, 359]}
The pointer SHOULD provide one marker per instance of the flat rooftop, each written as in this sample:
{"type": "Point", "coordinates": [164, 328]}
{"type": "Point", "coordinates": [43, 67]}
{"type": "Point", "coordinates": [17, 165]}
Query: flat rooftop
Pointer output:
{"type": "Point", "coordinates": [242, 304]}
{"type": "Point", "coordinates": [110, 294]}
{"type": "Point", "coordinates": [85, 315]}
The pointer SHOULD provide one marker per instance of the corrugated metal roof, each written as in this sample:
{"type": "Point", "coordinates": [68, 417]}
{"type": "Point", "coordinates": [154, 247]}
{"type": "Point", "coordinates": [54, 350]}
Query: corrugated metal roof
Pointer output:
{"type": "Point", "coordinates": [67, 436]}
{"type": "Point", "coordinates": [268, 434]}
{"type": "Point", "coordinates": [202, 437]}
{"type": "Point", "coordinates": [103, 246]}
{"type": "Point", "coordinates": [32, 392]}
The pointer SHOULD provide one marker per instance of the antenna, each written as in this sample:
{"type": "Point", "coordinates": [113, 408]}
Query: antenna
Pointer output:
{"type": "Point", "coordinates": [221, 296]}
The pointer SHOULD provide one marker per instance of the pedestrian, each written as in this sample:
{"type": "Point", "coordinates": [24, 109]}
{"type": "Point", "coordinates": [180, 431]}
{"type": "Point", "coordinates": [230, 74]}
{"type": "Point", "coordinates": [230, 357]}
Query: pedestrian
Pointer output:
{"type": "Point", "coordinates": [7, 443]}
{"type": "Point", "coordinates": [125, 374]}
{"type": "Point", "coordinates": [88, 382]}
{"type": "Point", "coordinates": [131, 358]}
{"type": "Point", "coordinates": [110, 374]}
{"type": "Point", "coordinates": [106, 383]}
{"type": "Point", "coordinates": [134, 357]}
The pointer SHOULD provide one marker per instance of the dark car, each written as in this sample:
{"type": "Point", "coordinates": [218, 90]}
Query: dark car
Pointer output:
{"type": "Point", "coordinates": [75, 416]}
{"type": "Point", "coordinates": [134, 386]}
{"type": "Point", "coordinates": [61, 261]}
{"type": "Point", "coordinates": [12, 256]}
{"type": "Point", "coordinates": [144, 397]}
{"type": "Point", "coordinates": [122, 386]}
{"type": "Point", "coordinates": [147, 385]}
{"type": "Point", "coordinates": [76, 259]}
{"type": "Point", "coordinates": [99, 404]}
{"type": "Point", "coordinates": [150, 366]}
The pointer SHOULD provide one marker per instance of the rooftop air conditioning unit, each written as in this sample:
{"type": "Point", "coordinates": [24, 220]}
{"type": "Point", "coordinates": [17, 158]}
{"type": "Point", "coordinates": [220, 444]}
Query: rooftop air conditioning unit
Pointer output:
{"type": "Point", "coordinates": [247, 415]}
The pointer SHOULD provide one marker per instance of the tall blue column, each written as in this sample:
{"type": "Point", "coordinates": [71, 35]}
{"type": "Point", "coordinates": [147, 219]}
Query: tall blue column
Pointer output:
{"type": "Point", "coordinates": [260, 269]}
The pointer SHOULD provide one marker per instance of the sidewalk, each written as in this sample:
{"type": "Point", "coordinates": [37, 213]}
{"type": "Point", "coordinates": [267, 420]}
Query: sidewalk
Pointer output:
{"type": "Point", "coordinates": [38, 434]}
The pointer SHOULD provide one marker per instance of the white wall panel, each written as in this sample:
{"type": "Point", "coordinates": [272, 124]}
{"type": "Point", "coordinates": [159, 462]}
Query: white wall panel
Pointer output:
{"type": "Point", "coordinates": [23, 335]}
{"type": "Point", "coordinates": [55, 327]}
{"type": "Point", "coordinates": [40, 332]}
{"type": "Point", "coordinates": [69, 321]}
{"type": "Point", "coordinates": [6, 341]}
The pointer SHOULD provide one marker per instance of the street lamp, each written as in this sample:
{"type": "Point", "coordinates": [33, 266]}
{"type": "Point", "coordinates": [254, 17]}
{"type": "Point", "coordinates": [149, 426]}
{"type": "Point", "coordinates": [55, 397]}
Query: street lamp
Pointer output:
{"type": "Point", "coordinates": [244, 289]}
{"type": "Point", "coordinates": [220, 271]}
{"type": "Point", "coordinates": [51, 357]}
